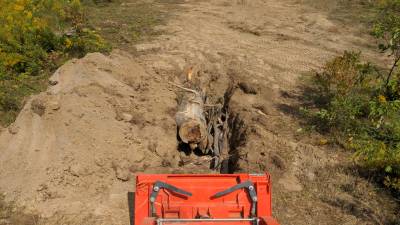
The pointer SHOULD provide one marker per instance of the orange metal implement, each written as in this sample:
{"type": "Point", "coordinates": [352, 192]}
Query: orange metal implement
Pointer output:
{"type": "Point", "coordinates": [203, 199]}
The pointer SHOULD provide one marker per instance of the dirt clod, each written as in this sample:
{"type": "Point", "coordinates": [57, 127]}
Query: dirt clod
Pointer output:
{"type": "Point", "coordinates": [147, 47]}
{"type": "Point", "coordinates": [127, 117]}
{"type": "Point", "coordinates": [13, 129]}
{"type": "Point", "coordinates": [53, 105]}
{"type": "Point", "coordinates": [278, 161]}
{"type": "Point", "coordinates": [121, 169]}
{"type": "Point", "coordinates": [247, 88]}
{"type": "Point", "coordinates": [53, 82]}
{"type": "Point", "coordinates": [38, 106]}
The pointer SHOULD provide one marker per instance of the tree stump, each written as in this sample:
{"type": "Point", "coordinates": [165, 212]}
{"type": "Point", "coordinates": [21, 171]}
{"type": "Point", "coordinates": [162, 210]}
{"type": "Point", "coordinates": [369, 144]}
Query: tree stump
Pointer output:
{"type": "Point", "coordinates": [192, 128]}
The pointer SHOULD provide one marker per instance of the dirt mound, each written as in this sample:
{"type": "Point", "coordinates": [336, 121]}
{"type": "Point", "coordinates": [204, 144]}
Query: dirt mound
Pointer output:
{"type": "Point", "coordinates": [74, 149]}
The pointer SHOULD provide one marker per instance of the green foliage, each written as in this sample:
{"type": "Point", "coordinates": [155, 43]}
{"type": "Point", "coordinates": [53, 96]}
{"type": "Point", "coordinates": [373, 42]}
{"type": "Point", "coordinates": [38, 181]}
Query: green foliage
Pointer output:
{"type": "Point", "coordinates": [387, 30]}
{"type": "Point", "coordinates": [387, 25]}
{"type": "Point", "coordinates": [342, 92]}
{"type": "Point", "coordinates": [357, 110]}
{"type": "Point", "coordinates": [360, 104]}
{"type": "Point", "coordinates": [35, 37]}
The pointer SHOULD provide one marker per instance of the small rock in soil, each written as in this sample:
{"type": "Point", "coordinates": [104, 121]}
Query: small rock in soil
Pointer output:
{"type": "Point", "coordinates": [13, 129]}
{"type": "Point", "coordinates": [147, 47]}
{"type": "Point", "coordinates": [139, 156]}
{"type": "Point", "coordinates": [127, 117]}
{"type": "Point", "coordinates": [75, 170]}
{"type": "Point", "coordinates": [38, 107]}
{"type": "Point", "coordinates": [121, 169]}
{"type": "Point", "coordinates": [122, 174]}
{"type": "Point", "coordinates": [261, 108]}
{"type": "Point", "coordinates": [5, 221]}
{"type": "Point", "coordinates": [247, 88]}
{"type": "Point", "coordinates": [311, 176]}
{"type": "Point", "coordinates": [165, 163]}
{"type": "Point", "coordinates": [78, 170]}
{"type": "Point", "coordinates": [123, 116]}
{"type": "Point", "coordinates": [42, 187]}
{"type": "Point", "coordinates": [137, 118]}
{"type": "Point", "coordinates": [99, 161]}
{"type": "Point", "coordinates": [152, 146]}
{"type": "Point", "coordinates": [53, 82]}
{"type": "Point", "coordinates": [278, 161]}
{"type": "Point", "coordinates": [54, 105]}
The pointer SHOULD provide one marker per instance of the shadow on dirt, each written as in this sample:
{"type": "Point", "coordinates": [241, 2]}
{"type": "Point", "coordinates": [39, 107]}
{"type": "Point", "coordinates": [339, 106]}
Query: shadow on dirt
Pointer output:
{"type": "Point", "coordinates": [237, 138]}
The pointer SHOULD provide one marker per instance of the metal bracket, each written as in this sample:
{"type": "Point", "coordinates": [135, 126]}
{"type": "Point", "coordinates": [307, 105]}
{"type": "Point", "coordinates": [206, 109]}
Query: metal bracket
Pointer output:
{"type": "Point", "coordinates": [251, 190]}
{"type": "Point", "coordinates": [157, 187]}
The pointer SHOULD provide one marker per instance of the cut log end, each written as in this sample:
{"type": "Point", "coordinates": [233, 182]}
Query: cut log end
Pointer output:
{"type": "Point", "coordinates": [192, 132]}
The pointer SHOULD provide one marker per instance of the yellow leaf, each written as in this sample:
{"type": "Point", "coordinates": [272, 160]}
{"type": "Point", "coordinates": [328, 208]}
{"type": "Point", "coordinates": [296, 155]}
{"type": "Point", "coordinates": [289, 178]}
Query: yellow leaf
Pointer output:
{"type": "Point", "coordinates": [323, 141]}
{"type": "Point", "coordinates": [68, 43]}
{"type": "Point", "coordinates": [29, 15]}
{"type": "Point", "coordinates": [18, 7]}
{"type": "Point", "coordinates": [382, 99]}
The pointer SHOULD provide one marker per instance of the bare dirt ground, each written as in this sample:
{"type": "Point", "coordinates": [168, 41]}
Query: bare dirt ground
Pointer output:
{"type": "Point", "coordinates": [73, 151]}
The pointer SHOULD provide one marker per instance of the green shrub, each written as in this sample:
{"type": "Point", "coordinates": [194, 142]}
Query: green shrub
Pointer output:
{"type": "Point", "coordinates": [360, 104]}
{"type": "Point", "coordinates": [35, 36]}
{"type": "Point", "coordinates": [357, 110]}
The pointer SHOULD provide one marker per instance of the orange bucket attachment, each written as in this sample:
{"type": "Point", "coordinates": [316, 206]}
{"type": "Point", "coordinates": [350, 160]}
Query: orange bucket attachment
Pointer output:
{"type": "Point", "coordinates": [203, 199]}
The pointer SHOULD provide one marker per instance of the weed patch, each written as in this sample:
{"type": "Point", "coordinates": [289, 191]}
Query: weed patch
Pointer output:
{"type": "Point", "coordinates": [346, 11]}
{"type": "Point", "coordinates": [359, 103]}
{"type": "Point", "coordinates": [124, 23]}
{"type": "Point", "coordinates": [351, 103]}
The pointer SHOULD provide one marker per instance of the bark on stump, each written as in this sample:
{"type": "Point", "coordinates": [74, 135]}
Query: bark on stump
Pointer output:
{"type": "Point", "coordinates": [192, 128]}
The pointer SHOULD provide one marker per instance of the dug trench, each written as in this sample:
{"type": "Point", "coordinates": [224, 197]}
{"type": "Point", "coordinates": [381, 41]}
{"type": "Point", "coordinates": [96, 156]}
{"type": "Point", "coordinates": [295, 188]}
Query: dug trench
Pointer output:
{"type": "Point", "coordinates": [224, 132]}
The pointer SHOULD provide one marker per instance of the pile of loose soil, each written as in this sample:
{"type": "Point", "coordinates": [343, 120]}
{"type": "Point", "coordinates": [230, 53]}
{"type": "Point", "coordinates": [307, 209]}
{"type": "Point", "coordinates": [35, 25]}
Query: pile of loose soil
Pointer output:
{"type": "Point", "coordinates": [74, 149]}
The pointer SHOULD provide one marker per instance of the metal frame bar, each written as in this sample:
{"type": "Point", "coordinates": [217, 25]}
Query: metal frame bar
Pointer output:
{"type": "Point", "coordinates": [160, 221]}
{"type": "Point", "coordinates": [156, 188]}
{"type": "Point", "coordinates": [249, 185]}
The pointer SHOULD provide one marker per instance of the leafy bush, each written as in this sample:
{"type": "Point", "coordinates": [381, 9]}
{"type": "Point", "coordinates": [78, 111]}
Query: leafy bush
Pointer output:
{"type": "Point", "coordinates": [35, 36]}
{"type": "Point", "coordinates": [355, 107]}
{"type": "Point", "coordinates": [360, 104]}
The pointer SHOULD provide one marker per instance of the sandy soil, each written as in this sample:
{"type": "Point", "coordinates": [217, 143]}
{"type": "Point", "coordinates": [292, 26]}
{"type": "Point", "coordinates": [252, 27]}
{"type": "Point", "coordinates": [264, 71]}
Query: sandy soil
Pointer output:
{"type": "Point", "coordinates": [73, 151]}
